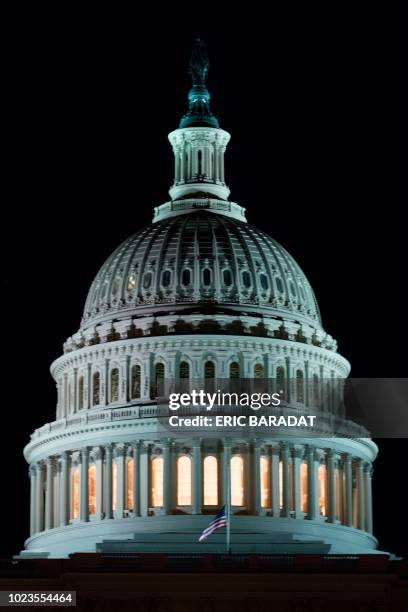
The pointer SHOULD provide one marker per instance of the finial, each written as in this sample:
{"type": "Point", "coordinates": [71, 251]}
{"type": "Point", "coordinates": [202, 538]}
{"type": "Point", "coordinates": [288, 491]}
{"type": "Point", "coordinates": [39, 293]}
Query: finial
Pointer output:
{"type": "Point", "coordinates": [199, 113]}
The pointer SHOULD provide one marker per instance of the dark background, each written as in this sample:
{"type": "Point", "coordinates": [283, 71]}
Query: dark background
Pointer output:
{"type": "Point", "coordinates": [314, 114]}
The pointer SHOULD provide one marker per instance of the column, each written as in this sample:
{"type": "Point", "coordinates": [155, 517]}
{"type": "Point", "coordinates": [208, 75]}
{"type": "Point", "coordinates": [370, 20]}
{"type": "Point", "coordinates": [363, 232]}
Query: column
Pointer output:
{"type": "Point", "coordinates": [108, 468]}
{"type": "Point", "coordinates": [136, 478]}
{"type": "Point", "coordinates": [63, 492]}
{"type": "Point", "coordinates": [39, 498]}
{"type": "Point", "coordinates": [107, 382]}
{"type": "Point", "coordinates": [226, 467]}
{"type": "Point", "coordinates": [99, 482]}
{"type": "Point", "coordinates": [307, 384]}
{"type": "Point", "coordinates": [297, 460]}
{"type": "Point", "coordinates": [66, 398]}
{"type": "Point", "coordinates": [89, 388]}
{"type": "Point", "coordinates": [331, 503]}
{"type": "Point", "coordinates": [32, 475]}
{"type": "Point", "coordinates": [197, 476]}
{"type": "Point", "coordinates": [275, 502]}
{"type": "Point", "coordinates": [167, 477]}
{"type": "Point", "coordinates": [368, 496]}
{"type": "Point", "coordinates": [256, 467]}
{"type": "Point", "coordinates": [75, 390]}
{"type": "Point", "coordinates": [120, 480]}
{"type": "Point", "coordinates": [312, 482]}
{"type": "Point", "coordinates": [285, 480]}
{"type": "Point", "coordinates": [129, 379]}
{"type": "Point", "coordinates": [49, 493]}
{"type": "Point", "coordinates": [348, 461]}
{"type": "Point", "coordinates": [84, 514]}
{"type": "Point", "coordinates": [361, 496]}
{"type": "Point", "coordinates": [288, 380]}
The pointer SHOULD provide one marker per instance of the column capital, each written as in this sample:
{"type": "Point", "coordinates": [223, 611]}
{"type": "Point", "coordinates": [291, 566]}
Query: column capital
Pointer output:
{"type": "Point", "coordinates": [196, 442]}
{"type": "Point", "coordinates": [298, 451]}
{"type": "Point", "coordinates": [84, 453]}
{"type": "Point", "coordinates": [97, 453]}
{"type": "Point", "coordinates": [137, 445]}
{"type": "Point", "coordinates": [64, 456]}
{"type": "Point", "coordinates": [32, 471]}
{"type": "Point", "coordinates": [120, 450]}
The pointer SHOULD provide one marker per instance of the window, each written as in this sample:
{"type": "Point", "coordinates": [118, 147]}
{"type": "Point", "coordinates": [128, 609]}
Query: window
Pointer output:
{"type": "Point", "coordinates": [81, 393]}
{"type": "Point", "coordinates": [227, 276]}
{"type": "Point", "coordinates": [264, 281]}
{"type": "Point", "coordinates": [303, 487]}
{"type": "Point", "coordinates": [184, 481]}
{"type": "Point", "coordinates": [186, 277]}
{"type": "Point", "coordinates": [135, 382]}
{"type": "Point", "coordinates": [280, 381]}
{"type": "Point", "coordinates": [210, 481]}
{"type": "Point", "coordinates": [316, 391]}
{"type": "Point", "coordinates": [209, 369]}
{"type": "Point", "coordinates": [200, 161]}
{"type": "Point", "coordinates": [147, 280]}
{"type": "Point", "coordinates": [166, 278]}
{"type": "Point", "coordinates": [131, 284]}
{"type": "Point", "coordinates": [75, 493]}
{"type": "Point", "coordinates": [114, 484]}
{"type": "Point", "coordinates": [157, 482]}
{"type": "Point", "coordinates": [237, 481]}
{"type": "Point", "coordinates": [114, 385]}
{"type": "Point", "coordinates": [322, 489]}
{"type": "Point", "coordinates": [279, 284]}
{"type": "Point", "coordinates": [95, 389]}
{"type": "Point", "coordinates": [207, 277]}
{"type": "Point", "coordinates": [234, 370]}
{"type": "Point", "coordinates": [92, 489]}
{"type": "Point", "coordinates": [129, 483]}
{"type": "Point", "coordinates": [265, 483]}
{"type": "Point", "coordinates": [246, 279]}
{"type": "Point", "coordinates": [258, 370]}
{"type": "Point", "coordinates": [300, 395]}
{"type": "Point", "coordinates": [157, 386]}
{"type": "Point", "coordinates": [184, 369]}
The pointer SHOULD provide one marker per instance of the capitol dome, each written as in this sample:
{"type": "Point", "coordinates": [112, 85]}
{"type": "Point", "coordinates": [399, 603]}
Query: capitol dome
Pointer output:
{"type": "Point", "coordinates": [200, 294]}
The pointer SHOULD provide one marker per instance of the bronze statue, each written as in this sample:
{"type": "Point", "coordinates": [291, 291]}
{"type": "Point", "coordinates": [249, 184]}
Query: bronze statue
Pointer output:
{"type": "Point", "coordinates": [199, 63]}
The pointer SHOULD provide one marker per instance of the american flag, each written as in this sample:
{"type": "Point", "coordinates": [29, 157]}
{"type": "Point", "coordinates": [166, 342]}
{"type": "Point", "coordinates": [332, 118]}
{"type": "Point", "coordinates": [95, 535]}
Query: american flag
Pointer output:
{"type": "Point", "coordinates": [220, 520]}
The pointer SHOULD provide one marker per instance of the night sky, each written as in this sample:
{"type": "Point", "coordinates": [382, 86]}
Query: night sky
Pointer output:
{"type": "Point", "coordinates": [313, 157]}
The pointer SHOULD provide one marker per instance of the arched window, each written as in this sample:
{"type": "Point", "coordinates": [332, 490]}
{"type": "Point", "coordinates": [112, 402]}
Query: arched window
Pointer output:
{"type": "Point", "coordinates": [279, 284]}
{"type": "Point", "coordinates": [147, 280]}
{"type": "Point", "coordinates": [75, 493]}
{"type": "Point", "coordinates": [81, 393]}
{"type": "Point", "coordinates": [186, 277]}
{"type": "Point", "coordinates": [207, 277]}
{"type": "Point", "coordinates": [265, 483]}
{"type": "Point", "coordinates": [96, 380]}
{"type": "Point", "coordinates": [114, 385]}
{"type": "Point", "coordinates": [234, 370]}
{"type": "Point", "coordinates": [129, 483]}
{"type": "Point", "coordinates": [322, 490]}
{"type": "Point", "coordinates": [114, 484]}
{"type": "Point", "coordinates": [184, 481]}
{"type": "Point", "coordinates": [280, 381]}
{"type": "Point", "coordinates": [303, 487]}
{"type": "Point", "coordinates": [227, 277]}
{"type": "Point", "coordinates": [131, 284]}
{"type": "Point", "coordinates": [258, 370]}
{"type": "Point", "coordinates": [209, 369]}
{"type": "Point", "coordinates": [92, 489]}
{"type": "Point", "coordinates": [264, 281]}
{"type": "Point", "coordinates": [166, 278]}
{"type": "Point", "coordinates": [210, 481]}
{"type": "Point", "coordinates": [246, 279]}
{"type": "Point", "coordinates": [157, 482]}
{"type": "Point", "coordinates": [135, 382]}
{"type": "Point", "coordinates": [237, 481]}
{"type": "Point", "coordinates": [300, 394]}
{"type": "Point", "coordinates": [316, 390]}
{"type": "Point", "coordinates": [184, 369]}
{"type": "Point", "coordinates": [157, 386]}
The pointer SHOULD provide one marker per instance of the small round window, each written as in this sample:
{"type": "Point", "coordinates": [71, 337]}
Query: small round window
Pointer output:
{"type": "Point", "coordinates": [131, 284]}
{"type": "Point", "coordinates": [166, 278]}
{"type": "Point", "coordinates": [147, 281]}
{"type": "Point", "coordinates": [186, 277]}
{"type": "Point", "coordinates": [246, 279]}
{"type": "Point", "coordinates": [207, 277]}
{"type": "Point", "coordinates": [279, 284]}
{"type": "Point", "coordinates": [227, 278]}
{"type": "Point", "coordinates": [264, 281]}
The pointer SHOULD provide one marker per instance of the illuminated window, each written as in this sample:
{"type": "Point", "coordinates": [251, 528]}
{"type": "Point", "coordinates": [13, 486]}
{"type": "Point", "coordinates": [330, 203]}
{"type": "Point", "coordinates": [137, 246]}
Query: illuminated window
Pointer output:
{"type": "Point", "coordinates": [258, 370]}
{"type": "Point", "coordinates": [300, 396]}
{"type": "Point", "coordinates": [92, 489]}
{"type": "Point", "coordinates": [131, 284]}
{"type": "Point", "coordinates": [303, 487]}
{"type": "Point", "coordinates": [114, 484]}
{"type": "Point", "coordinates": [129, 483]}
{"type": "Point", "coordinates": [184, 481]}
{"type": "Point", "coordinates": [96, 389]}
{"type": "Point", "coordinates": [316, 393]}
{"type": "Point", "coordinates": [234, 369]}
{"type": "Point", "coordinates": [210, 481]}
{"type": "Point", "coordinates": [265, 483]}
{"type": "Point", "coordinates": [237, 481]}
{"type": "Point", "coordinates": [81, 393]}
{"type": "Point", "coordinates": [114, 385]}
{"type": "Point", "coordinates": [135, 382]}
{"type": "Point", "coordinates": [157, 482]}
{"type": "Point", "coordinates": [322, 489]}
{"type": "Point", "coordinates": [75, 493]}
